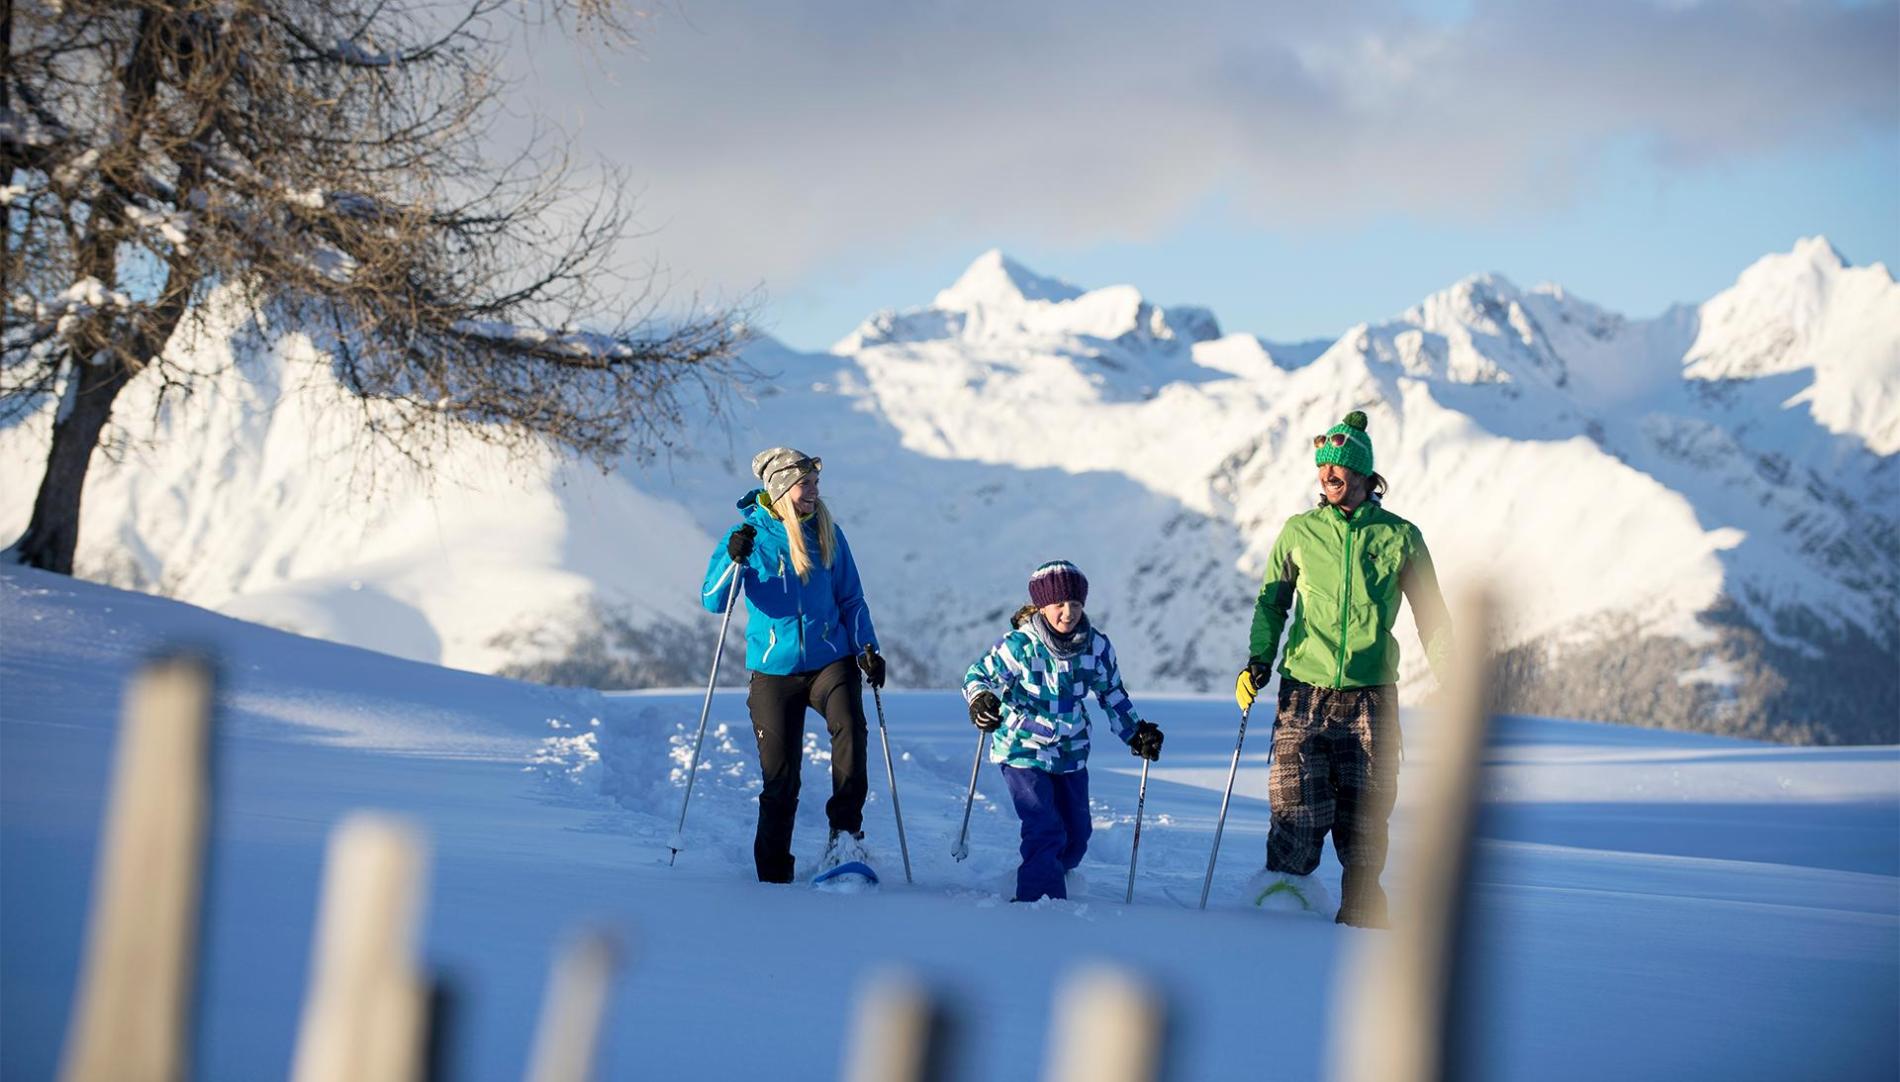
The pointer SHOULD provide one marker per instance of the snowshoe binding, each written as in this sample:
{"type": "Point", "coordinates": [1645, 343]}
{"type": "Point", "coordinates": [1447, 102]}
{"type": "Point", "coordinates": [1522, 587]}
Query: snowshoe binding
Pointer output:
{"type": "Point", "coordinates": [1282, 892]}
{"type": "Point", "coordinates": [846, 867]}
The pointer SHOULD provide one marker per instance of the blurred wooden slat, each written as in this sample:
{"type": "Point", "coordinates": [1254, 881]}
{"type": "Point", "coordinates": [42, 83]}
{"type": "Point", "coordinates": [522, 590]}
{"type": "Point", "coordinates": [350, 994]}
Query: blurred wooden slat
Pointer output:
{"type": "Point", "coordinates": [1397, 1015]}
{"type": "Point", "coordinates": [899, 1034]}
{"type": "Point", "coordinates": [364, 1015]}
{"type": "Point", "coordinates": [566, 1039]}
{"type": "Point", "coordinates": [131, 1010]}
{"type": "Point", "coordinates": [1109, 1027]}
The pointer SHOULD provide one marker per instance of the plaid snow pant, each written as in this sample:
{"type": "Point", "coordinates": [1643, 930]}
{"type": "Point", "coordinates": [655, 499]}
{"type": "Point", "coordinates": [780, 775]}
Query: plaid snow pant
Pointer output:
{"type": "Point", "coordinates": [1335, 768]}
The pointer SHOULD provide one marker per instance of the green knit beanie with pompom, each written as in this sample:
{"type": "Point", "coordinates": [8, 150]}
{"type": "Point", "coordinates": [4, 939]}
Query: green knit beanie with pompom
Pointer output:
{"type": "Point", "coordinates": [1354, 453]}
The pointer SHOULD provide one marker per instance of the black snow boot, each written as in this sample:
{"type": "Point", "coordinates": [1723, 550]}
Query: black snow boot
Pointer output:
{"type": "Point", "coordinates": [775, 869]}
{"type": "Point", "coordinates": [1363, 904]}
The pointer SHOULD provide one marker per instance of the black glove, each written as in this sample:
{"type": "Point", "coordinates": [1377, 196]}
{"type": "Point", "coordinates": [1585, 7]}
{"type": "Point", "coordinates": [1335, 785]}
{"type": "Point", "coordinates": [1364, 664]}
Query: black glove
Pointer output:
{"type": "Point", "coordinates": [739, 545]}
{"type": "Point", "coordinates": [1147, 741]}
{"type": "Point", "coordinates": [872, 663]}
{"type": "Point", "coordinates": [986, 712]}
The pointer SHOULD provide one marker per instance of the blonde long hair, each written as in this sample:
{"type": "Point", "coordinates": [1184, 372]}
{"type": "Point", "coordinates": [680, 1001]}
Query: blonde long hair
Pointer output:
{"type": "Point", "coordinates": [795, 534]}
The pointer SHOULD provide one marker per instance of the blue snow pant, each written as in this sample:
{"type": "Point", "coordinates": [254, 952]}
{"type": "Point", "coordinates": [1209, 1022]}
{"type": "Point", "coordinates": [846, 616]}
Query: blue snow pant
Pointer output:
{"type": "Point", "coordinates": [1054, 809]}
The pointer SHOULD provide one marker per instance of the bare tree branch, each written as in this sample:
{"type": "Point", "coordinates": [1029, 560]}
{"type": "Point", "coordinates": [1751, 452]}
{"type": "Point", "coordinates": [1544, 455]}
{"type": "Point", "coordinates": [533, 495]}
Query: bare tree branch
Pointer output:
{"type": "Point", "coordinates": [329, 160]}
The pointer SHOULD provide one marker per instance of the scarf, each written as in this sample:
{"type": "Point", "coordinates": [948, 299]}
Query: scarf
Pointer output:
{"type": "Point", "coordinates": [1062, 646]}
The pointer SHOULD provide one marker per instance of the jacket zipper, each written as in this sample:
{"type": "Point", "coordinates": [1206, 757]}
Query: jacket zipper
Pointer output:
{"type": "Point", "coordinates": [801, 609]}
{"type": "Point", "coordinates": [799, 592]}
{"type": "Point", "coordinates": [1345, 598]}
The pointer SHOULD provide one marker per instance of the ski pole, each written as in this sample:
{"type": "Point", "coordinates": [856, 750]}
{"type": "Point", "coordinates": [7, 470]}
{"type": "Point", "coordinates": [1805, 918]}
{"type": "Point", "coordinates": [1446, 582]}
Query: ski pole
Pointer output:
{"type": "Point", "coordinates": [884, 737]}
{"type": "Point", "coordinates": [963, 836]}
{"type": "Point", "coordinates": [1134, 850]}
{"type": "Point", "coordinates": [1221, 823]}
{"type": "Point", "coordinates": [679, 835]}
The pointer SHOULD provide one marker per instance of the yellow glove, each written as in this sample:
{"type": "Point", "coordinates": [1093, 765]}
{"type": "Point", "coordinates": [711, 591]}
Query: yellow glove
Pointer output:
{"type": "Point", "coordinates": [1246, 690]}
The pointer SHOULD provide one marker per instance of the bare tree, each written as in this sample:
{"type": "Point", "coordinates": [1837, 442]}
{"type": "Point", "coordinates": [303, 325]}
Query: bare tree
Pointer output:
{"type": "Point", "coordinates": [325, 159]}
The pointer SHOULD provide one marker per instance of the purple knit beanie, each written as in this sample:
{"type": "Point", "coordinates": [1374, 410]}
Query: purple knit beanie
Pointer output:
{"type": "Point", "coordinates": [1058, 580]}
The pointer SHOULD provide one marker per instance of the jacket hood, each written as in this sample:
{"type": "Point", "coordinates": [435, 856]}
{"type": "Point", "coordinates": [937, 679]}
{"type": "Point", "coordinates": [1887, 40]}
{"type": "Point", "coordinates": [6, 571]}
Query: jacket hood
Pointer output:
{"type": "Point", "coordinates": [756, 512]}
{"type": "Point", "coordinates": [755, 509]}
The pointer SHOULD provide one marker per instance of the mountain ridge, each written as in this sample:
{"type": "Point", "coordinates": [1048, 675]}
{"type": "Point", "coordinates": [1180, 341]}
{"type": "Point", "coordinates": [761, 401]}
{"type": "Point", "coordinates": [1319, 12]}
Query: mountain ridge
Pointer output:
{"type": "Point", "coordinates": [1688, 511]}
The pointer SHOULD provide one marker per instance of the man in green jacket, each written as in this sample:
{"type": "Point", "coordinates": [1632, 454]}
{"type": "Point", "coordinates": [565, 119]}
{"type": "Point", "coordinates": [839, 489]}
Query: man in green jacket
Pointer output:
{"type": "Point", "coordinates": [1336, 741]}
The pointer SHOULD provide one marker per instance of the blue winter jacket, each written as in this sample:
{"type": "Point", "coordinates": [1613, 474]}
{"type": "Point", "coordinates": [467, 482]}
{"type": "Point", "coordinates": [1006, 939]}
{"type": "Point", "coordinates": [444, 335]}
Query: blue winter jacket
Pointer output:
{"type": "Point", "coordinates": [791, 626]}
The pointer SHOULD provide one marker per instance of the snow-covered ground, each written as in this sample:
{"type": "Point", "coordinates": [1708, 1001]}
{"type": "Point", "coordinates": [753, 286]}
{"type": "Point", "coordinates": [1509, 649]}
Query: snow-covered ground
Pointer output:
{"type": "Point", "coordinates": [1651, 904]}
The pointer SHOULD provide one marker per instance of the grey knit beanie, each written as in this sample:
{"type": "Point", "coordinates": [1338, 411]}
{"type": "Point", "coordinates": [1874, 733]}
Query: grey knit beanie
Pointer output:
{"type": "Point", "coordinates": [779, 468]}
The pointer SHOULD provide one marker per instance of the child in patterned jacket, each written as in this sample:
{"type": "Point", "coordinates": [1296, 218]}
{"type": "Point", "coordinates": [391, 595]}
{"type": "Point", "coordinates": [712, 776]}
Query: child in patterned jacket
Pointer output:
{"type": "Point", "coordinates": [1029, 691]}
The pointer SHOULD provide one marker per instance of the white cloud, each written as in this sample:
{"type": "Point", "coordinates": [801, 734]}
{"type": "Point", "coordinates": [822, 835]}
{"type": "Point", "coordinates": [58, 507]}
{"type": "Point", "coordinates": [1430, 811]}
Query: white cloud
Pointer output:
{"type": "Point", "coordinates": [769, 138]}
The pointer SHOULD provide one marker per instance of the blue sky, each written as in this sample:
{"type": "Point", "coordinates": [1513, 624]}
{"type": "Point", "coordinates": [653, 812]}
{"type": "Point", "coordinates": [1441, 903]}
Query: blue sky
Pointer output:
{"type": "Point", "coordinates": [1297, 168]}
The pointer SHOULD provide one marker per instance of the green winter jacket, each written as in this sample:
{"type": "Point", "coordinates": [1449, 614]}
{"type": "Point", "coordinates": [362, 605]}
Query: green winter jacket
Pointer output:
{"type": "Point", "coordinates": [1348, 574]}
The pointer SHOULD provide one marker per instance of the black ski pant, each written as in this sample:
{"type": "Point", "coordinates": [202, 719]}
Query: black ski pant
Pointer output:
{"type": "Point", "coordinates": [778, 705]}
{"type": "Point", "coordinates": [1335, 770]}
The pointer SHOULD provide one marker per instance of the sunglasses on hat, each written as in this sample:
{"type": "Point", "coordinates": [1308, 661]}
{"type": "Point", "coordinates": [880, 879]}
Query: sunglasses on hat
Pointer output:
{"type": "Point", "coordinates": [1337, 439]}
{"type": "Point", "coordinates": [802, 465]}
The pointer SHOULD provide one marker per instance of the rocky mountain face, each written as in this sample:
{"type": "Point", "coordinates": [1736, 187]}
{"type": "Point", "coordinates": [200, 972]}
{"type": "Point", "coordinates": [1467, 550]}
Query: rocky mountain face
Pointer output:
{"type": "Point", "coordinates": [1692, 518]}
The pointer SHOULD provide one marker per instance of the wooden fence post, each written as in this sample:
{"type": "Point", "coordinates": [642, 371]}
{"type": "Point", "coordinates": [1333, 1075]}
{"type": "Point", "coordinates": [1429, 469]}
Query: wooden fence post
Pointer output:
{"type": "Point", "coordinates": [132, 1004]}
{"type": "Point", "coordinates": [901, 1033]}
{"type": "Point", "coordinates": [569, 1031]}
{"type": "Point", "coordinates": [1397, 1017]}
{"type": "Point", "coordinates": [1110, 1027]}
{"type": "Point", "coordinates": [363, 1017]}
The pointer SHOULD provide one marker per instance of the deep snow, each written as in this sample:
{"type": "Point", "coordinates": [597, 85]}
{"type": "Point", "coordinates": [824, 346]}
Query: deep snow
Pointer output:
{"type": "Point", "coordinates": [1650, 904]}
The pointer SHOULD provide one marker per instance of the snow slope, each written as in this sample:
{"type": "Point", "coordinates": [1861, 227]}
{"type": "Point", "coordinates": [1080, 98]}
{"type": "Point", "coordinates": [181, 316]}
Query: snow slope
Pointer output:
{"type": "Point", "coordinates": [258, 495]}
{"type": "Point", "coordinates": [1650, 905]}
{"type": "Point", "coordinates": [1698, 507]}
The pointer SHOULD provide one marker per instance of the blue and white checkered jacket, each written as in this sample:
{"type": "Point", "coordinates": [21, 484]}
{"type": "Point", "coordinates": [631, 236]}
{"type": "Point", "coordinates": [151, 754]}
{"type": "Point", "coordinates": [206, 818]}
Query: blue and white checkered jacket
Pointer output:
{"type": "Point", "coordinates": [1045, 722]}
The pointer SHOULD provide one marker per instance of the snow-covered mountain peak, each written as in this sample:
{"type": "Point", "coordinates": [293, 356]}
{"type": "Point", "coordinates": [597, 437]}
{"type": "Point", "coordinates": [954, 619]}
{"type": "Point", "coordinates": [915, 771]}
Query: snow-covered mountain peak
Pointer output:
{"type": "Point", "coordinates": [994, 280]}
{"type": "Point", "coordinates": [1482, 329]}
{"type": "Point", "coordinates": [1491, 304]}
{"type": "Point", "coordinates": [1778, 297]}
{"type": "Point", "coordinates": [1789, 286]}
{"type": "Point", "coordinates": [1816, 251]}
{"type": "Point", "coordinates": [1809, 311]}
{"type": "Point", "coordinates": [999, 300]}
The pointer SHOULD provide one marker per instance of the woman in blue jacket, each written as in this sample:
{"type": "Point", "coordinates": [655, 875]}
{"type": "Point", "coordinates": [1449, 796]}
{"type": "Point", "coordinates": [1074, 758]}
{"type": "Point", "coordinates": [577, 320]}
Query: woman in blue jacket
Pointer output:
{"type": "Point", "coordinates": [808, 633]}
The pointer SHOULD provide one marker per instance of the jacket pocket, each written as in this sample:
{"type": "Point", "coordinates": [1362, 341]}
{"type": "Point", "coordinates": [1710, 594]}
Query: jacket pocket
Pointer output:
{"type": "Point", "coordinates": [1036, 730]}
{"type": "Point", "coordinates": [1379, 564]}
